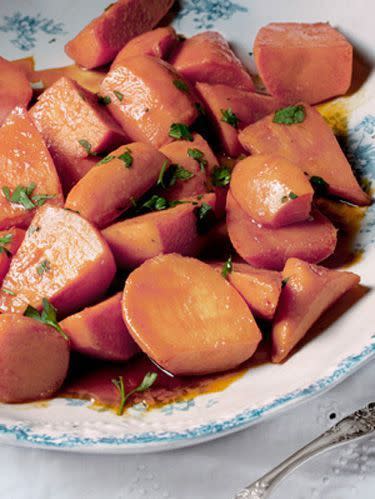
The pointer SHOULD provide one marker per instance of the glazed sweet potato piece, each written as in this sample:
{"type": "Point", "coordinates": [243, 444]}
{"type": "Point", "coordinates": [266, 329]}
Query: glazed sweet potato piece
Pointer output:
{"type": "Point", "coordinates": [100, 332]}
{"type": "Point", "coordinates": [298, 61]}
{"type": "Point", "coordinates": [62, 258]}
{"type": "Point", "coordinates": [260, 288]}
{"type": "Point", "coordinates": [186, 317]}
{"type": "Point", "coordinates": [308, 292]}
{"type": "Point", "coordinates": [157, 43]}
{"type": "Point", "coordinates": [10, 241]}
{"type": "Point", "coordinates": [196, 157]}
{"type": "Point", "coordinates": [223, 103]}
{"type": "Point", "coordinates": [310, 144]}
{"type": "Point", "coordinates": [90, 80]}
{"type": "Point", "coordinates": [34, 359]}
{"type": "Point", "coordinates": [272, 190]}
{"type": "Point", "coordinates": [207, 57]}
{"type": "Point", "coordinates": [176, 229]}
{"type": "Point", "coordinates": [26, 164]}
{"type": "Point", "coordinates": [101, 40]}
{"type": "Point", "coordinates": [74, 126]}
{"type": "Point", "coordinates": [126, 174]}
{"type": "Point", "coordinates": [15, 89]}
{"type": "Point", "coordinates": [312, 240]}
{"type": "Point", "coordinates": [148, 96]}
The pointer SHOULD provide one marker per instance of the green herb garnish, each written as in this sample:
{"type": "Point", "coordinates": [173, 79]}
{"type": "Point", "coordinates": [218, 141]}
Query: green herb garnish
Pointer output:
{"type": "Point", "coordinates": [227, 267]}
{"type": "Point", "coordinates": [284, 282]}
{"type": "Point", "coordinates": [156, 203]}
{"type": "Point", "coordinates": [104, 100]}
{"type": "Point", "coordinates": [162, 173]}
{"type": "Point", "coordinates": [47, 316]}
{"type": "Point", "coordinates": [4, 240]}
{"type": "Point", "coordinates": [23, 195]}
{"type": "Point", "coordinates": [228, 116]}
{"type": "Point", "coordinates": [290, 115]}
{"type": "Point", "coordinates": [119, 95]}
{"type": "Point", "coordinates": [221, 176]}
{"type": "Point", "coordinates": [40, 199]}
{"type": "Point", "coordinates": [146, 383]}
{"type": "Point", "coordinates": [8, 291]}
{"type": "Point", "coordinates": [126, 157]}
{"type": "Point", "coordinates": [319, 185]}
{"type": "Point", "coordinates": [200, 108]}
{"type": "Point", "coordinates": [180, 131]}
{"type": "Point", "coordinates": [292, 195]}
{"type": "Point", "coordinates": [169, 176]}
{"type": "Point", "coordinates": [44, 266]}
{"type": "Point", "coordinates": [87, 147]}
{"type": "Point", "coordinates": [181, 85]}
{"type": "Point", "coordinates": [199, 157]}
{"type": "Point", "coordinates": [106, 160]}
{"type": "Point", "coordinates": [205, 218]}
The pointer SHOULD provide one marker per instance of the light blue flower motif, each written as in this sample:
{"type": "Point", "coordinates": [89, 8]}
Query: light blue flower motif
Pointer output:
{"type": "Point", "coordinates": [206, 12]}
{"type": "Point", "coordinates": [75, 402]}
{"type": "Point", "coordinates": [184, 405]}
{"type": "Point", "coordinates": [26, 28]}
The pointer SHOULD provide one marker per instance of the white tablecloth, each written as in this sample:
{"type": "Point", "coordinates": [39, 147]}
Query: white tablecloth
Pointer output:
{"type": "Point", "coordinates": [214, 470]}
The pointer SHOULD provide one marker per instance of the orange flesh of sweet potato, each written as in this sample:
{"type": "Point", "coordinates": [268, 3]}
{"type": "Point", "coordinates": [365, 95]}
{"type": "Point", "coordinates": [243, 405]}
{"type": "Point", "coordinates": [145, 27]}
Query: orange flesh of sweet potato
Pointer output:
{"type": "Point", "coordinates": [26, 65]}
{"type": "Point", "coordinates": [137, 239]}
{"type": "Point", "coordinates": [309, 290]}
{"type": "Point", "coordinates": [34, 359]}
{"type": "Point", "coordinates": [272, 190]}
{"type": "Point", "coordinates": [260, 288]}
{"type": "Point", "coordinates": [312, 240]}
{"type": "Point", "coordinates": [7, 250]}
{"type": "Point", "coordinates": [24, 159]}
{"type": "Point", "coordinates": [309, 62]}
{"type": "Point", "coordinates": [66, 114]}
{"type": "Point", "coordinates": [312, 146]}
{"type": "Point", "coordinates": [90, 80]}
{"type": "Point", "coordinates": [145, 99]}
{"type": "Point", "coordinates": [100, 331]}
{"type": "Point", "coordinates": [207, 57]}
{"type": "Point", "coordinates": [63, 258]}
{"type": "Point", "coordinates": [247, 106]}
{"type": "Point", "coordinates": [109, 189]}
{"type": "Point", "coordinates": [186, 317]}
{"type": "Point", "coordinates": [157, 43]}
{"type": "Point", "coordinates": [100, 41]}
{"type": "Point", "coordinates": [15, 89]}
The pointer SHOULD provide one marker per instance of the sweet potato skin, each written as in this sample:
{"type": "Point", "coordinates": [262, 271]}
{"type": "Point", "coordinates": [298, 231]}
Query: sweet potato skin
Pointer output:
{"type": "Point", "coordinates": [309, 290]}
{"type": "Point", "coordinates": [34, 359]}
{"type": "Point", "coordinates": [115, 184]}
{"type": "Point", "coordinates": [100, 332]}
{"type": "Point", "coordinates": [101, 40]}
{"type": "Point", "coordinates": [149, 100]}
{"type": "Point", "coordinates": [24, 159]}
{"type": "Point", "coordinates": [15, 89]}
{"type": "Point", "coordinates": [312, 240]}
{"type": "Point", "coordinates": [312, 146]}
{"type": "Point", "coordinates": [193, 332]}
{"type": "Point", "coordinates": [63, 258]}
{"type": "Point", "coordinates": [315, 49]}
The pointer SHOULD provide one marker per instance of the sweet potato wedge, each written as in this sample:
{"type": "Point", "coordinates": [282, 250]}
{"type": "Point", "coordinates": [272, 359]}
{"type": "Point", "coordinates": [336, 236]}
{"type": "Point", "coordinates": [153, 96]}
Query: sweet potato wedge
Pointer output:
{"type": "Point", "coordinates": [109, 189]}
{"type": "Point", "coordinates": [186, 317]}
{"type": "Point", "coordinates": [148, 96]}
{"type": "Point", "coordinates": [207, 57]}
{"type": "Point", "coordinates": [15, 89]}
{"type": "Point", "coordinates": [310, 144]}
{"type": "Point", "coordinates": [90, 80]}
{"type": "Point", "coordinates": [34, 359]}
{"type": "Point", "coordinates": [272, 190]}
{"type": "Point", "coordinates": [101, 40]}
{"type": "Point", "coordinates": [135, 240]}
{"type": "Point", "coordinates": [260, 288]}
{"type": "Point", "coordinates": [309, 290]}
{"type": "Point", "coordinates": [308, 62]}
{"type": "Point", "coordinates": [24, 163]}
{"type": "Point", "coordinates": [247, 107]}
{"type": "Point", "coordinates": [100, 331]}
{"type": "Point", "coordinates": [312, 240]}
{"type": "Point", "coordinates": [63, 258]}
{"type": "Point", "coordinates": [74, 126]}
{"type": "Point", "coordinates": [157, 43]}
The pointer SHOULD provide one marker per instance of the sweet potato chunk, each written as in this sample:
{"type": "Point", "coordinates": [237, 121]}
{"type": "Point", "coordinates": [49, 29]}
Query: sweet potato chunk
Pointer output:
{"type": "Point", "coordinates": [34, 359]}
{"type": "Point", "coordinates": [90, 80]}
{"type": "Point", "coordinates": [24, 163]}
{"type": "Point", "coordinates": [100, 331]}
{"type": "Point", "coordinates": [157, 43]}
{"type": "Point", "coordinates": [147, 98]}
{"type": "Point", "coordinates": [110, 188]}
{"type": "Point", "coordinates": [100, 41]}
{"type": "Point", "coordinates": [62, 258]}
{"type": "Point", "coordinates": [247, 107]}
{"type": "Point", "coordinates": [177, 229]}
{"type": "Point", "coordinates": [186, 317]}
{"type": "Point", "coordinates": [74, 127]}
{"type": "Point", "coordinates": [309, 290]}
{"type": "Point", "coordinates": [310, 144]}
{"type": "Point", "coordinates": [309, 62]}
{"type": "Point", "coordinates": [260, 288]}
{"type": "Point", "coordinates": [187, 154]}
{"type": "Point", "coordinates": [272, 190]}
{"type": "Point", "coordinates": [15, 89]}
{"type": "Point", "coordinates": [207, 57]}
{"type": "Point", "coordinates": [312, 240]}
{"type": "Point", "coordinates": [10, 241]}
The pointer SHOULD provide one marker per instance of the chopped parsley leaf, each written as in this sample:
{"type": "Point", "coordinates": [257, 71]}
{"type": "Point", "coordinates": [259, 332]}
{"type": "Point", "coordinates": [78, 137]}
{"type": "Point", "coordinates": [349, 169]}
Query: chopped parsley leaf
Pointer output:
{"type": "Point", "coordinates": [227, 267]}
{"type": "Point", "coordinates": [105, 160]}
{"type": "Point", "coordinates": [87, 147]}
{"type": "Point", "coordinates": [119, 95]}
{"type": "Point", "coordinates": [126, 157]}
{"type": "Point", "coordinates": [319, 185]}
{"type": "Point", "coordinates": [181, 85]}
{"type": "Point", "coordinates": [284, 282]}
{"type": "Point", "coordinates": [104, 100]}
{"type": "Point", "coordinates": [221, 176]}
{"type": "Point", "coordinates": [292, 195]}
{"type": "Point", "coordinates": [44, 266]}
{"type": "Point", "coordinates": [48, 316]}
{"type": "Point", "coordinates": [290, 115]}
{"type": "Point", "coordinates": [146, 383]}
{"type": "Point", "coordinates": [4, 240]}
{"type": "Point", "coordinates": [205, 218]}
{"type": "Point", "coordinates": [40, 199]}
{"type": "Point", "coordinates": [228, 116]}
{"type": "Point", "coordinates": [180, 131]}
{"type": "Point", "coordinates": [8, 291]}
{"type": "Point", "coordinates": [199, 157]}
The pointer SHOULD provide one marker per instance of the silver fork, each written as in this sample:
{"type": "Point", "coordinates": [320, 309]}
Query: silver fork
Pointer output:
{"type": "Point", "coordinates": [357, 425]}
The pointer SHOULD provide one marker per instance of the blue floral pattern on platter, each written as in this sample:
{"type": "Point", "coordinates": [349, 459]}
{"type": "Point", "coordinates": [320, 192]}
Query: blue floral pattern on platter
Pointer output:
{"type": "Point", "coordinates": [25, 29]}
{"type": "Point", "coordinates": [206, 12]}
